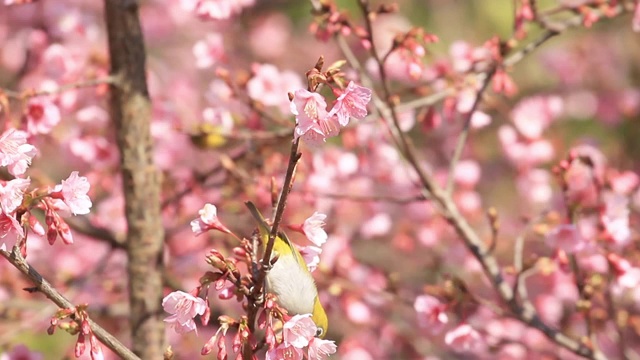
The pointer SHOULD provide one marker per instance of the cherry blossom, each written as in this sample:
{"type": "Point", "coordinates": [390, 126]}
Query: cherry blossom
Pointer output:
{"type": "Point", "coordinates": [209, 51]}
{"type": "Point", "coordinates": [42, 115]}
{"type": "Point", "coordinates": [11, 194]}
{"type": "Point", "coordinates": [298, 330]}
{"type": "Point", "coordinates": [73, 192]}
{"type": "Point", "coordinates": [566, 237]}
{"type": "Point", "coordinates": [208, 220]}
{"type": "Point", "coordinates": [21, 352]}
{"type": "Point", "coordinates": [15, 153]}
{"type": "Point", "coordinates": [183, 307]}
{"type": "Point", "coordinates": [313, 123]}
{"type": "Point", "coordinates": [320, 349]}
{"type": "Point", "coordinates": [285, 351]}
{"type": "Point", "coordinates": [313, 228]}
{"type": "Point", "coordinates": [615, 217]}
{"type": "Point", "coordinates": [351, 103]}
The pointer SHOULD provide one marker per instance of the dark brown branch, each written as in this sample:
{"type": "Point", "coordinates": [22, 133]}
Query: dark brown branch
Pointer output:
{"type": "Point", "coordinates": [131, 112]}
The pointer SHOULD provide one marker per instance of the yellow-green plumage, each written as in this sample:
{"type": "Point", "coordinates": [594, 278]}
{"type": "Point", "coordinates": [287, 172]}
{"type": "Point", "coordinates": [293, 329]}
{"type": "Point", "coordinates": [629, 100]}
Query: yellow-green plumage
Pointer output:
{"type": "Point", "coordinates": [290, 279]}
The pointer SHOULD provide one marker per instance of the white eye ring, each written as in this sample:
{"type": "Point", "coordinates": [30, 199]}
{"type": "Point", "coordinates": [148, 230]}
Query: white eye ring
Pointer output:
{"type": "Point", "coordinates": [319, 332]}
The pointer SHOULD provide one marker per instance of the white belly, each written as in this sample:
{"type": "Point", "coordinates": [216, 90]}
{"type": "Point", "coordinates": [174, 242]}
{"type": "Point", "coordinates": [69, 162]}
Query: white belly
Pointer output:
{"type": "Point", "coordinates": [294, 287]}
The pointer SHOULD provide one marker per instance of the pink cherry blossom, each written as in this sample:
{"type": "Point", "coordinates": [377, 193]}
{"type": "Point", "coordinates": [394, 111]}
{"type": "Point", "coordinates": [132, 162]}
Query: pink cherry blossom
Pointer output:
{"type": "Point", "coordinates": [209, 51]}
{"type": "Point", "coordinates": [463, 338]}
{"type": "Point", "coordinates": [312, 121]}
{"type": "Point", "coordinates": [183, 307]}
{"type": "Point", "coordinates": [284, 351]}
{"type": "Point", "coordinates": [467, 173]}
{"type": "Point", "coordinates": [351, 103]}
{"type": "Point", "coordinates": [431, 313]}
{"type": "Point", "coordinates": [73, 192]}
{"type": "Point", "coordinates": [11, 194]}
{"type": "Point", "coordinates": [566, 237]}
{"type": "Point", "coordinates": [313, 228]}
{"type": "Point", "coordinates": [15, 153]}
{"type": "Point", "coordinates": [10, 225]}
{"type": "Point", "coordinates": [320, 349]}
{"type": "Point", "coordinates": [298, 330]}
{"type": "Point", "coordinates": [208, 220]}
{"type": "Point", "coordinates": [311, 256]}
{"type": "Point", "coordinates": [42, 115]}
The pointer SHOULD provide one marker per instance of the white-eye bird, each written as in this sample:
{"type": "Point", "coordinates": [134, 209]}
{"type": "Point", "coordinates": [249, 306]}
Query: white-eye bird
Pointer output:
{"type": "Point", "coordinates": [289, 279]}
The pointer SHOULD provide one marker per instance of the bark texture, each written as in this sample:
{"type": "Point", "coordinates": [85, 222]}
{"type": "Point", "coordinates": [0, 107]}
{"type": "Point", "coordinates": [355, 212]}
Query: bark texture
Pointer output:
{"type": "Point", "coordinates": [131, 112]}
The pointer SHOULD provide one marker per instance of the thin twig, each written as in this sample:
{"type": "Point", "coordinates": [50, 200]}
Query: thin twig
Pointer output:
{"type": "Point", "coordinates": [52, 294]}
{"type": "Point", "coordinates": [29, 93]}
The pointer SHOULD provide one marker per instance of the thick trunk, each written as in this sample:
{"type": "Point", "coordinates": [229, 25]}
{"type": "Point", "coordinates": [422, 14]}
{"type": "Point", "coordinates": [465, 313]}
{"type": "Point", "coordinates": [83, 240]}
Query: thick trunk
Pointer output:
{"type": "Point", "coordinates": [131, 112]}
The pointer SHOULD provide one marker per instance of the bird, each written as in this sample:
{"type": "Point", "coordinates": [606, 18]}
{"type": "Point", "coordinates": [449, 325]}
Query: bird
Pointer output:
{"type": "Point", "coordinates": [290, 279]}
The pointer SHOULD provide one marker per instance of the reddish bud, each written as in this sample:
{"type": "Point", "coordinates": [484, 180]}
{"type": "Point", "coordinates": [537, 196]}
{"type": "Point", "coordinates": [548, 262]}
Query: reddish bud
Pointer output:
{"type": "Point", "coordinates": [65, 233]}
{"type": "Point", "coordinates": [80, 346]}
{"type": "Point", "coordinates": [52, 235]}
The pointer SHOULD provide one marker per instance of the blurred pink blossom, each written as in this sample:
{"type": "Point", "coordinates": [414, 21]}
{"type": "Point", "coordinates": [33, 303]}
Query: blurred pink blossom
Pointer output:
{"type": "Point", "coordinates": [566, 237]}
{"type": "Point", "coordinates": [615, 217]}
{"type": "Point", "coordinates": [183, 307]}
{"type": "Point", "coordinates": [533, 115]}
{"type": "Point", "coordinates": [220, 9]}
{"type": "Point", "coordinates": [635, 23]}
{"type": "Point", "coordinates": [624, 182]}
{"type": "Point", "coordinates": [535, 185]}
{"type": "Point", "coordinates": [42, 115]}
{"type": "Point", "coordinates": [21, 352]}
{"type": "Point", "coordinates": [627, 276]}
{"type": "Point", "coordinates": [270, 86]}
{"type": "Point", "coordinates": [209, 51]}
{"type": "Point", "coordinates": [311, 256]}
{"type": "Point", "coordinates": [378, 225]}
{"type": "Point", "coordinates": [431, 313]}
{"type": "Point", "coordinates": [463, 338]}
{"type": "Point", "coordinates": [467, 173]}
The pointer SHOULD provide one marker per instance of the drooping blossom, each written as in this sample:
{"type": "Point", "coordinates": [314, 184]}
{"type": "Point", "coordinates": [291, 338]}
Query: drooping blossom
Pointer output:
{"type": "Point", "coordinates": [42, 115]}
{"type": "Point", "coordinates": [298, 330]}
{"type": "Point", "coordinates": [209, 50]}
{"type": "Point", "coordinates": [284, 351]}
{"type": "Point", "coordinates": [431, 313]}
{"type": "Point", "coordinates": [11, 194]}
{"type": "Point", "coordinates": [313, 229]}
{"type": "Point", "coordinates": [463, 338]}
{"type": "Point", "coordinates": [320, 349]}
{"type": "Point", "coordinates": [208, 220]}
{"type": "Point", "coordinates": [566, 237]}
{"type": "Point", "coordinates": [73, 192]}
{"type": "Point", "coordinates": [351, 103]}
{"type": "Point", "coordinates": [183, 307]}
{"type": "Point", "coordinates": [15, 153]}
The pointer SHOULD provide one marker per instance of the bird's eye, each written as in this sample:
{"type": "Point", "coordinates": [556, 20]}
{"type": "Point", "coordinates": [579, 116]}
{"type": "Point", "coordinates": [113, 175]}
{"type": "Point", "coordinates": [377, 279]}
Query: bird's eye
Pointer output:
{"type": "Point", "coordinates": [319, 332]}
